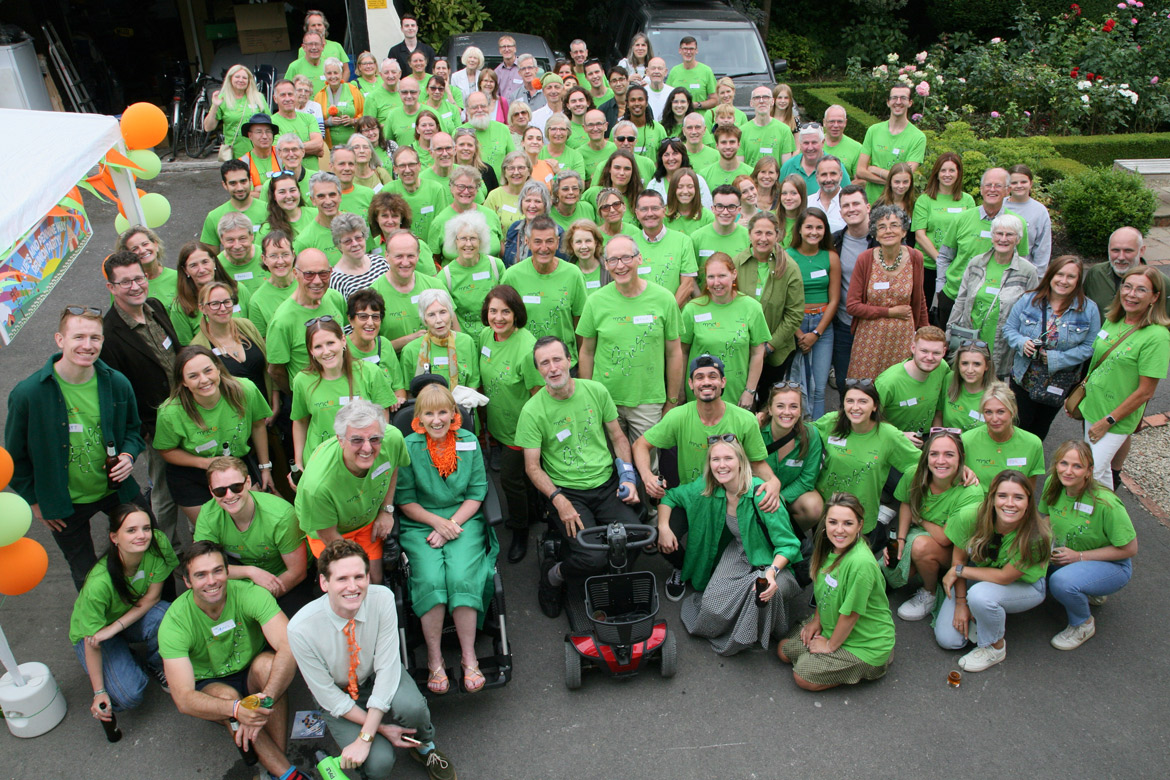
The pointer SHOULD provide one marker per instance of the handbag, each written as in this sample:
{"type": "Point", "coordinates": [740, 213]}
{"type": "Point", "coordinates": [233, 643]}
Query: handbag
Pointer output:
{"type": "Point", "coordinates": [1073, 402]}
{"type": "Point", "coordinates": [957, 334]}
{"type": "Point", "coordinates": [1040, 383]}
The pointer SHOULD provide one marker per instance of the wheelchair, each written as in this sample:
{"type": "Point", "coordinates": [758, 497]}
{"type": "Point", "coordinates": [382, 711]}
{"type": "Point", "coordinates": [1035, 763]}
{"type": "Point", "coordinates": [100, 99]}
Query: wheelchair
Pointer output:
{"type": "Point", "coordinates": [496, 666]}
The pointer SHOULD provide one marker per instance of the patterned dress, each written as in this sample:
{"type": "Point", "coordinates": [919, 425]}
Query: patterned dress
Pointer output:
{"type": "Point", "coordinates": [879, 344]}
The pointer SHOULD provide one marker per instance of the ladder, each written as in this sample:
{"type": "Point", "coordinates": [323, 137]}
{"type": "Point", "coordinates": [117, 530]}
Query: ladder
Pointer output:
{"type": "Point", "coordinates": [74, 88]}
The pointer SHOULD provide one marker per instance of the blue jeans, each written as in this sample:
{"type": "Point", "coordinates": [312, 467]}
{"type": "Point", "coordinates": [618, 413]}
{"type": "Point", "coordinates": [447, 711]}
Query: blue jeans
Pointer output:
{"type": "Point", "coordinates": [122, 676]}
{"type": "Point", "coordinates": [842, 350]}
{"type": "Point", "coordinates": [1072, 585]}
{"type": "Point", "coordinates": [990, 605]}
{"type": "Point", "coordinates": [811, 369]}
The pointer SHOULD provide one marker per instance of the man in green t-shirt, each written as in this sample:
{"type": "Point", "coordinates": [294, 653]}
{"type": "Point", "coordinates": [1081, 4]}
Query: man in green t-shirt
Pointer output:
{"type": "Point", "coordinates": [384, 98]}
{"type": "Point", "coordinates": [311, 64]}
{"type": "Point", "coordinates": [837, 143]}
{"type": "Point", "coordinates": [693, 75]}
{"type": "Point", "coordinates": [355, 198]}
{"type": "Point", "coordinates": [913, 392]}
{"type": "Point", "coordinates": [724, 234]}
{"type": "Point", "coordinates": [765, 135]}
{"type": "Point", "coordinates": [598, 148]}
{"type": "Point", "coordinates": [495, 140]}
{"type": "Point", "coordinates": [214, 644]}
{"type": "Point", "coordinates": [312, 298]}
{"type": "Point", "coordinates": [240, 257]}
{"type": "Point", "coordinates": [565, 431]}
{"type": "Point", "coordinates": [424, 197]}
{"type": "Point", "coordinates": [889, 142]}
{"type": "Point", "coordinates": [237, 181]}
{"type": "Point", "coordinates": [668, 256]}
{"type": "Point", "coordinates": [325, 192]}
{"type": "Point", "coordinates": [288, 120]}
{"type": "Point", "coordinates": [729, 167]}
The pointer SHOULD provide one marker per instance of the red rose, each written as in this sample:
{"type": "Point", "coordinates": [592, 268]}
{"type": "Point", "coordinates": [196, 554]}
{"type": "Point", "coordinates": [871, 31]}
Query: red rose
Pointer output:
{"type": "Point", "coordinates": [1109, 25]}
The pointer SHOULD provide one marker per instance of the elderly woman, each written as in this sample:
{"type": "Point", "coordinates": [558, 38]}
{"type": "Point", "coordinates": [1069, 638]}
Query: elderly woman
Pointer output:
{"type": "Point", "coordinates": [992, 283]}
{"type": "Point", "coordinates": [441, 350]}
{"type": "Point", "coordinates": [519, 115]}
{"type": "Point", "coordinates": [148, 248]}
{"type": "Point", "coordinates": [557, 151]}
{"type": "Point", "coordinates": [466, 80]}
{"type": "Point", "coordinates": [886, 297]}
{"type": "Point", "coordinates": [535, 201]}
{"type": "Point", "coordinates": [341, 104]}
{"type": "Point", "coordinates": [730, 545]}
{"type": "Point", "coordinates": [367, 79]}
{"type": "Point", "coordinates": [566, 199]}
{"type": "Point", "coordinates": [370, 172]}
{"type": "Point", "coordinates": [356, 268]}
{"type": "Point", "coordinates": [465, 183]}
{"type": "Point", "coordinates": [233, 105]}
{"type": "Point", "coordinates": [452, 549]}
{"type": "Point", "coordinates": [474, 272]}
{"type": "Point", "coordinates": [306, 89]}
{"type": "Point", "coordinates": [1051, 330]}
{"type": "Point", "coordinates": [1122, 381]}
{"type": "Point", "coordinates": [505, 199]}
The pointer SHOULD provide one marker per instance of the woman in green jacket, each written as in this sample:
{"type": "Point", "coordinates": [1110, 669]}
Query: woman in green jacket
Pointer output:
{"type": "Point", "coordinates": [731, 544]}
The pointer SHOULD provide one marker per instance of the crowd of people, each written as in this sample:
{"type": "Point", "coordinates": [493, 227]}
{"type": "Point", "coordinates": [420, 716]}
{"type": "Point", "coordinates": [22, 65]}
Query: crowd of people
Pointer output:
{"type": "Point", "coordinates": [626, 296]}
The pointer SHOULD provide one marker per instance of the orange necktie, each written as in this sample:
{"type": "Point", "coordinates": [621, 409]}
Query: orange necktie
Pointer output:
{"type": "Point", "coordinates": [354, 658]}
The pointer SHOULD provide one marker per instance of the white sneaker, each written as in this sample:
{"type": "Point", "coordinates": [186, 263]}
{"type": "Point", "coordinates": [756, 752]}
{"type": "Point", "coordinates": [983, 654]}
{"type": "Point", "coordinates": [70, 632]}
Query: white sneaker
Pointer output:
{"type": "Point", "coordinates": [1097, 601]}
{"type": "Point", "coordinates": [917, 606]}
{"type": "Point", "coordinates": [982, 658]}
{"type": "Point", "coordinates": [1074, 636]}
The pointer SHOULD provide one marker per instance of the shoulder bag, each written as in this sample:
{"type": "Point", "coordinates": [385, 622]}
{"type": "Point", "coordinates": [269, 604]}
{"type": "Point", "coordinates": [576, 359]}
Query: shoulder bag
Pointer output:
{"type": "Point", "coordinates": [1073, 402]}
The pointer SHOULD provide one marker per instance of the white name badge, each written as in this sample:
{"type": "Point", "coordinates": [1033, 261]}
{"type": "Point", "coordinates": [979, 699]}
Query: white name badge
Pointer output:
{"type": "Point", "coordinates": [765, 150]}
{"type": "Point", "coordinates": [639, 149]}
{"type": "Point", "coordinates": [759, 291]}
{"type": "Point", "coordinates": [703, 317]}
{"type": "Point", "coordinates": [830, 580]}
{"type": "Point", "coordinates": [909, 402]}
{"type": "Point", "coordinates": [706, 252]}
{"type": "Point", "coordinates": [167, 342]}
{"type": "Point", "coordinates": [881, 285]}
{"type": "Point", "coordinates": [343, 104]}
{"type": "Point", "coordinates": [1054, 390]}
{"type": "Point", "coordinates": [531, 298]}
{"type": "Point", "coordinates": [794, 464]}
{"type": "Point", "coordinates": [837, 441]}
{"type": "Point", "coordinates": [236, 309]}
{"type": "Point", "coordinates": [517, 81]}
{"type": "Point", "coordinates": [479, 277]}
{"type": "Point", "coordinates": [256, 228]}
{"type": "Point", "coordinates": [447, 115]}
{"type": "Point", "coordinates": [644, 319]}
{"type": "Point", "coordinates": [992, 290]}
{"type": "Point", "coordinates": [975, 415]}
{"type": "Point", "coordinates": [486, 352]}
{"type": "Point", "coordinates": [818, 274]}
{"type": "Point", "coordinates": [895, 150]}
{"type": "Point", "coordinates": [380, 471]}
{"type": "Point", "coordinates": [464, 446]}
{"type": "Point", "coordinates": [216, 351]}
{"type": "Point", "coordinates": [1017, 461]}
{"type": "Point", "coordinates": [414, 299]}
{"type": "Point", "coordinates": [644, 269]}
{"type": "Point", "coordinates": [345, 399]}
{"type": "Point", "coordinates": [141, 575]}
{"type": "Point", "coordinates": [442, 360]}
{"type": "Point", "coordinates": [377, 188]}
{"type": "Point", "coordinates": [243, 276]}
{"type": "Point", "coordinates": [985, 234]}
{"type": "Point", "coordinates": [594, 285]}
{"type": "Point", "coordinates": [1086, 508]}
{"type": "Point", "coordinates": [373, 359]}
{"type": "Point", "coordinates": [223, 627]}
{"type": "Point", "coordinates": [953, 210]}
{"type": "Point", "coordinates": [509, 209]}
{"type": "Point", "coordinates": [209, 445]}
{"type": "Point", "coordinates": [695, 86]}
{"type": "Point", "coordinates": [76, 428]}
{"type": "Point", "coordinates": [562, 435]}
{"type": "Point", "coordinates": [426, 210]}
{"type": "Point", "coordinates": [1102, 334]}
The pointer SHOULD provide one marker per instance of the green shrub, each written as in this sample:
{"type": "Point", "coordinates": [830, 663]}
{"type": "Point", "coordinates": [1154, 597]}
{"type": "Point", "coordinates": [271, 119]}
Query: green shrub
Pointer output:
{"type": "Point", "coordinates": [438, 21]}
{"type": "Point", "coordinates": [979, 154]}
{"type": "Point", "coordinates": [1103, 150]}
{"type": "Point", "coordinates": [1093, 204]}
{"type": "Point", "coordinates": [806, 57]}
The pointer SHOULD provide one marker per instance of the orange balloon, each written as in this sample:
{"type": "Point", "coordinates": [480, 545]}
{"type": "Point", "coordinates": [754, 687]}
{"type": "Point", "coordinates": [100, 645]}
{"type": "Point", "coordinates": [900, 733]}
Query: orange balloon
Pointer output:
{"type": "Point", "coordinates": [143, 126]}
{"type": "Point", "coordinates": [5, 468]}
{"type": "Point", "coordinates": [22, 566]}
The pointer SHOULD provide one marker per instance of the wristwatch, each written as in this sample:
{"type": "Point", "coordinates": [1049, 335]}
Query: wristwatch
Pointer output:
{"type": "Point", "coordinates": [775, 571]}
{"type": "Point", "coordinates": [364, 737]}
{"type": "Point", "coordinates": [1110, 419]}
{"type": "Point", "coordinates": [264, 466]}
{"type": "Point", "coordinates": [959, 569]}
{"type": "Point", "coordinates": [388, 509]}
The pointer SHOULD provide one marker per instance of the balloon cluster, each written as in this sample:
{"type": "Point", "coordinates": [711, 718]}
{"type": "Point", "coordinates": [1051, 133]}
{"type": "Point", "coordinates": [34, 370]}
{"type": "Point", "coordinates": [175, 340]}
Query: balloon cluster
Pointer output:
{"type": "Point", "coordinates": [23, 561]}
{"type": "Point", "coordinates": [143, 126]}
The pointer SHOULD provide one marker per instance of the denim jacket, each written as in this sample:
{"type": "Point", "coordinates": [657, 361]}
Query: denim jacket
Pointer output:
{"type": "Point", "coordinates": [1074, 336]}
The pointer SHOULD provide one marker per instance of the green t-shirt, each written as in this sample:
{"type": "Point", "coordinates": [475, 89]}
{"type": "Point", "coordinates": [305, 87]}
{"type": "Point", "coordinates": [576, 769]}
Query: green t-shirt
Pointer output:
{"type": "Point", "coordinates": [715, 176]}
{"type": "Point", "coordinates": [937, 508]}
{"type": "Point", "coordinates": [494, 144]}
{"type": "Point", "coordinates": [698, 80]}
{"type": "Point", "coordinates": [222, 425]}
{"type": "Point", "coordinates": [797, 474]}
{"type": "Point", "coordinates": [962, 527]}
{"type": "Point", "coordinates": [98, 605]}
{"type": "Point", "coordinates": [773, 140]}
{"type": "Point", "coordinates": [553, 301]}
{"type": "Point", "coordinates": [851, 583]}
{"type": "Point", "coordinates": [505, 204]}
{"type": "Point", "coordinates": [704, 158]}
{"type": "Point", "coordinates": [814, 272]}
{"type": "Point", "coordinates": [1088, 522]}
{"type": "Point", "coordinates": [460, 368]}
{"type": "Point", "coordinates": [356, 200]}
{"type": "Point", "coordinates": [164, 287]}
{"type": "Point", "coordinates": [885, 149]}
{"type": "Point", "coordinates": [728, 331]}
{"type": "Point", "coordinates": [508, 375]}
{"type": "Point", "coordinates": [250, 274]}
{"type": "Point", "coordinates": [668, 259]}
{"type": "Point", "coordinates": [682, 428]}
{"type": "Point", "coordinates": [570, 434]}
{"type": "Point", "coordinates": [690, 226]}
{"type": "Point", "coordinates": [314, 235]}
{"type": "Point", "coordinates": [439, 225]}
{"type": "Point", "coordinates": [1145, 353]}
{"type": "Point", "coordinates": [631, 334]}
{"type": "Point", "coordinates": [315, 73]}
{"type": "Point", "coordinates": [330, 496]}
{"type": "Point", "coordinates": [401, 317]}
{"type": "Point", "coordinates": [186, 326]}
{"type": "Point", "coordinates": [87, 451]}
{"type": "Point", "coordinates": [568, 160]}
{"type": "Point", "coordinates": [424, 202]}
{"type": "Point", "coordinates": [226, 645]}
{"type": "Point", "coordinates": [286, 330]}
{"type": "Point", "coordinates": [320, 401]}
{"type": "Point", "coordinates": [308, 216]}
{"type": "Point", "coordinates": [232, 119]}
{"type": "Point", "coordinates": [847, 151]}
{"type": "Point", "coordinates": [969, 234]}
{"type": "Point", "coordinates": [264, 303]}
{"type": "Point", "coordinates": [859, 463]}
{"type": "Point", "coordinates": [399, 125]}
{"type": "Point", "coordinates": [379, 104]}
{"type": "Point", "coordinates": [645, 170]}
{"type": "Point", "coordinates": [469, 286]}
{"type": "Point", "coordinates": [581, 211]}
{"type": "Point", "coordinates": [707, 242]}
{"type": "Point", "coordinates": [647, 139]}
{"type": "Point", "coordinates": [272, 533]}
{"type": "Point", "coordinates": [1023, 452]}
{"type": "Point", "coordinates": [934, 215]}
{"type": "Point", "coordinates": [910, 405]}
{"type": "Point", "coordinates": [382, 356]}
{"type": "Point", "coordinates": [257, 211]}
{"type": "Point", "coordinates": [963, 412]}
{"type": "Point", "coordinates": [302, 125]}
{"type": "Point", "coordinates": [985, 306]}
{"type": "Point", "coordinates": [592, 158]}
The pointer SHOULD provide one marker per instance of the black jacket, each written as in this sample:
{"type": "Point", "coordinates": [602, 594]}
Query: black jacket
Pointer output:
{"type": "Point", "coordinates": [125, 351]}
{"type": "Point", "coordinates": [839, 239]}
{"type": "Point", "coordinates": [399, 52]}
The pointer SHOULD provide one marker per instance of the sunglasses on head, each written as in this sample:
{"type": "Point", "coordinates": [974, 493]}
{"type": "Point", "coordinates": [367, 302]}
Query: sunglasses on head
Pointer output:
{"type": "Point", "coordinates": [973, 343]}
{"type": "Point", "coordinates": [727, 437]}
{"type": "Point", "coordinates": [83, 311]}
{"type": "Point", "coordinates": [315, 320]}
{"type": "Point", "coordinates": [235, 487]}
{"type": "Point", "coordinates": [787, 385]}
{"type": "Point", "coordinates": [858, 383]}
{"type": "Point", "coordinates": [955, 431]}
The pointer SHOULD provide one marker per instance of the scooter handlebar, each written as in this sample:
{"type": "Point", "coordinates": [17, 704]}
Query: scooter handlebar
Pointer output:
{"type": "Point", "coordinates": [637, 536]}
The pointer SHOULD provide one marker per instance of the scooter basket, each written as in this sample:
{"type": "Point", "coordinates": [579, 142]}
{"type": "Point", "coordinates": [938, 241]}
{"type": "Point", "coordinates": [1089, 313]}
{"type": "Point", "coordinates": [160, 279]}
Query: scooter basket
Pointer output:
{"type": "Point", "coordinates": [622, 606]}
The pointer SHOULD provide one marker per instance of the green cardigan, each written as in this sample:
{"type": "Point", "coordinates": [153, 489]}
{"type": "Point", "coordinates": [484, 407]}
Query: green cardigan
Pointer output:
{"type": "Point", "coordinates": [37, 435]}
{"type": "Point", "coordinates": [782, 299]}
{"type": "Point", "coordinates": [707, 533]}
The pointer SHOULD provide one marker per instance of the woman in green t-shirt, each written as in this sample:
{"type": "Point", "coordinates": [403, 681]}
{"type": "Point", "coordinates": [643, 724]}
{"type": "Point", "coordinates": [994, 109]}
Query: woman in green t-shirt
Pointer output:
{"type": "Point", "coordinates": [1093, 541]}
{"type": "Point", "coordinates": [684, 204]}
{"type": "Point", "coordinates": [473, 272]}
{"type": "Point", "coordinates": [850, 637]}
{"type": "Point", "coordinates": [148, 247]}
{"type": "Point", "coordinates": [811, 248]}
{"type": "Point", "coordinates": [930, 494]}
{"type": "Point", "coordinates": [999, 560]}
{"type": "Point", "coordinates": [288, 210]}
{"type": "Point", "coordinates": [121, 603]}
{"type": "Point", "coordinates": [584, 245]}
{"type": "Point", "coordinates": [794, 453]}
{"type": "Point", "coordinates": [198, 266]}
{"type": "Point", "coordinates": [941, 201]}
{"type": "Point", "coordinates": [441, 349]}
{"type": "Point", "coordinates": [365, 311]}
{"type": "Point", "coordinates": [971, 375]}
{"type": "Point", "coordinates": [999, 443]}
{"type": "Point", "coordinates": [235, 104]}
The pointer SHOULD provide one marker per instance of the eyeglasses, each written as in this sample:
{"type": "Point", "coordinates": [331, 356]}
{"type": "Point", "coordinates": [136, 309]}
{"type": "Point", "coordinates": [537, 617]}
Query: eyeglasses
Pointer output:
{"type": "Point", "coordinates": [788, 385]}
{"type": "Point", "coordinates": [235, 487]}
{"type": "Point", "coordinates": [727, 437]}
{"type": "Point", "coordinates": [322, 319]}
{"type": "Point", "coordinates": [617, 204]}
{"type": "Point", "coordinates": [126, 284]}
{"type": "Point", "coordinates": [83, 311]}
{"type": "Point", "coordinates": [357, 442]}
{"type": "Point", "coordinates": [318, 274]}
{"type": "Point", "coordinates": [464, 187]}
{"type": "Point", "coordinates": [367, 317]}
{"type": "Point", "coordinates": [626, 139]}
{"type": "Point", "coordinates": [956, 431]}
{"type": "Point", "coordinates": [724, 206]}
{"type": "Point", "coordinates": [973, 343]}
{"type": "Point", "coordinates": [216, 305]}
{"type": "Point", "coordinates": [622, 259]}
{"type": "Point", "coordinates": [859, 383]}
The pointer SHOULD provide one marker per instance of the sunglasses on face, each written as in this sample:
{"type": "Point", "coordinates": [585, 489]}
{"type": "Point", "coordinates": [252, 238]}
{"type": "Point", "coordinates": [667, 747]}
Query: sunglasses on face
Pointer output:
{"type": "Point", "coordinates": [235, 487]}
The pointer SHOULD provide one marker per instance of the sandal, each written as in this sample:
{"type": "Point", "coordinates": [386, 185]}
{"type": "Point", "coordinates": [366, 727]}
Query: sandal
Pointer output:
{"type": "Point", "coordinates": [473, 679]}
{"type": "Point", "coordinates": [438, 682]}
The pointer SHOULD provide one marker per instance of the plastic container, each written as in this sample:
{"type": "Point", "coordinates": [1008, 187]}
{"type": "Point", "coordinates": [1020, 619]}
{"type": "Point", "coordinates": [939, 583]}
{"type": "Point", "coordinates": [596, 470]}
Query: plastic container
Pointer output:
{"type": "Point", "coordinates": [34, 708]}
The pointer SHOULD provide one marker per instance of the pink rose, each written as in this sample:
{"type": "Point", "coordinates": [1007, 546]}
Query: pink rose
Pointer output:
{"type": "Point", "coordinates": [995, 115]}
{"type": "Point", "coordinates": [1154, 80]}
{"type": "Point", "coordinates": [923, 89]}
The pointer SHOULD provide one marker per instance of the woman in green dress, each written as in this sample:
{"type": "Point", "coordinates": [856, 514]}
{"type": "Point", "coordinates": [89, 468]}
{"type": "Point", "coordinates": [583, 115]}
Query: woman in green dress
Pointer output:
{"type": "Point", "coordinates": [452, 550]}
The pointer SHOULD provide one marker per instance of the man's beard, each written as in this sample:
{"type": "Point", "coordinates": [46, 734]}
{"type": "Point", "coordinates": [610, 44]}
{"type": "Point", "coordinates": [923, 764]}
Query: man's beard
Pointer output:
{"type": "Point", "coordinates": [480, 122]}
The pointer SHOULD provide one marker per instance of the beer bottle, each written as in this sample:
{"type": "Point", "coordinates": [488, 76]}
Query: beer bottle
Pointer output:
{"type": "Point", "coordinates": [761, 586]}
{"type": "Point", "coordinates": [113, 733]}
{"type": "Point", "coordinates": [892, 547]}
{"type": "Point", "coordinates": [112, 461]}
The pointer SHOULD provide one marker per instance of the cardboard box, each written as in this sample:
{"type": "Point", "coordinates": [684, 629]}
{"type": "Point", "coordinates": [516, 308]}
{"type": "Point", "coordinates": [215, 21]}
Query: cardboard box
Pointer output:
{"type": "Point", "coordinates": [262, 28]}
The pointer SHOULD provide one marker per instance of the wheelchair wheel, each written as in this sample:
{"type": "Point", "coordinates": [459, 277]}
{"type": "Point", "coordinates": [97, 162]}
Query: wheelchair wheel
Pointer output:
{"type": "Point", "coordinates": [668, 655]}
{"type": "Point", "coordinates": [572, 668]}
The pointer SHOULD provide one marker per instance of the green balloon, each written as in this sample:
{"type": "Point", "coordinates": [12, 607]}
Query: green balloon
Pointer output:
{"type": "Point", "coordinates": [148, 161]}
{"type": "Point", "coordinates": [156, 208]}
{"type": "Point", "coordinates": [15, 518]}
{"type": "Point", "coordinates": [121, 224]}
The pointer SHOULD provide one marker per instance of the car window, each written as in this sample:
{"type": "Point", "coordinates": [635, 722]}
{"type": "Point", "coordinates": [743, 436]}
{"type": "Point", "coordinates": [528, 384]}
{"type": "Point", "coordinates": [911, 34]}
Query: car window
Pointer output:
{"type": "Point", "coordinates": [727, 51]}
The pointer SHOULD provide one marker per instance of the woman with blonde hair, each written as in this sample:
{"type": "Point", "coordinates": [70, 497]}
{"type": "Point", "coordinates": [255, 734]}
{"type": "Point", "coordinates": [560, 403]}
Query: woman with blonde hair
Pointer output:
{"type": "Point", "coordinates": [146, 245]}
{"type": "Point", "coordinates": [341, 104]}
{"type": "Point", "coordinates": [584, 245]}
{"type": "Point", "coordinates": [367, 78]}
{"type": "Point", "coordinates": [236, 340]}
{"type": "Point", "coordinates": [999, 443]}
{"type": "Point", "coordinates": [466, 80]}
{"type": "Point", "coordinates": [233, 105]}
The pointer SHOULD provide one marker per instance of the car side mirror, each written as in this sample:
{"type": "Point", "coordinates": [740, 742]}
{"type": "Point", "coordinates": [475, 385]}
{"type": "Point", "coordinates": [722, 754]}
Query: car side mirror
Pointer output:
{"type": "Point", "coordinates": [779, 66]}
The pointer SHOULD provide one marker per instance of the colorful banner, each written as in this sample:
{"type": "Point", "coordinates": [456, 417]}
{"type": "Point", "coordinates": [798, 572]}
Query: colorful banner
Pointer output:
{"type": "Point", "coordinates": [33, 265]}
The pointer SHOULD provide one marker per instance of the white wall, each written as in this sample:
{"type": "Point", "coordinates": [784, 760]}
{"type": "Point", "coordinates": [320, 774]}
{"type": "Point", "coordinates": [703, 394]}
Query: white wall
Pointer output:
{"type": "Point", "coordinates": [384, 26]}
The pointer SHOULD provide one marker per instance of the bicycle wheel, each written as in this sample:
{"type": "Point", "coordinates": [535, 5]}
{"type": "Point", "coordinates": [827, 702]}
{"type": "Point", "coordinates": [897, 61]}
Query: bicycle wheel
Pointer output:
{"type": "Point", "coordinates": [176, 122]}
{"type": "Point", "coordinates": [196, 137]}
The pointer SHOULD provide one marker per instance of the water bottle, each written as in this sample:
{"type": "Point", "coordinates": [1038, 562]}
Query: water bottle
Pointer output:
{"type": "Point", "coordinates": [329, 767]}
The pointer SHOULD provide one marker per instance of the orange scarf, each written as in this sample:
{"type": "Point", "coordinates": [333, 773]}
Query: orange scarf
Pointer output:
{"type": "Point", "coordinates": [426, 362]}
{"type": "Point", "coordinates": [444, 455]}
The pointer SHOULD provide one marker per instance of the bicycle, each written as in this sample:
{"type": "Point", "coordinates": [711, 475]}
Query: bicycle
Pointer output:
{"type": "Point", "coordinates": [189, 105]}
